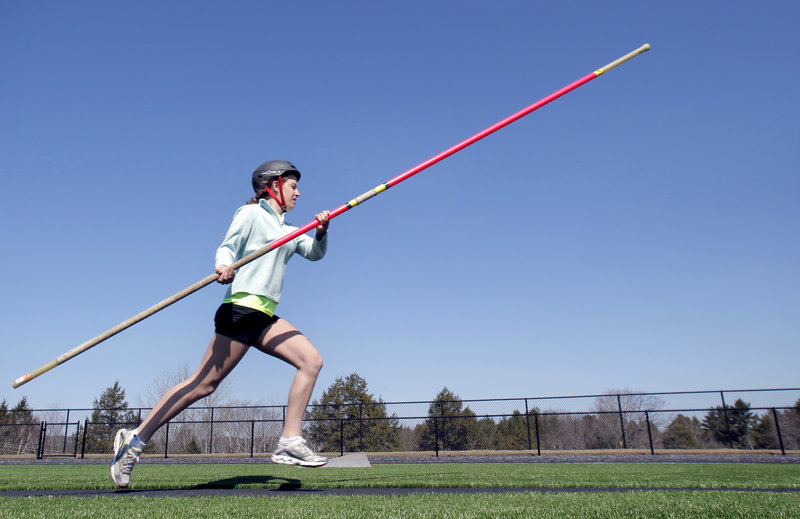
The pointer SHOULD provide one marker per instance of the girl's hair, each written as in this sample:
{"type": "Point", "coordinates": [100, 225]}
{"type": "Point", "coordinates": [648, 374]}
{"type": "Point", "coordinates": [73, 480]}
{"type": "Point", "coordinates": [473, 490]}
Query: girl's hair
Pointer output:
{"type": "Point", "coordinates": [259, 196]}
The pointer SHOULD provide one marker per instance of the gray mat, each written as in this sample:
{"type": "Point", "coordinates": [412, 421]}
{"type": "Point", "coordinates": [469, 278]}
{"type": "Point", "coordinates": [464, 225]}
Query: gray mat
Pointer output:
{"type": "Point", "coordinates": [357, 460]}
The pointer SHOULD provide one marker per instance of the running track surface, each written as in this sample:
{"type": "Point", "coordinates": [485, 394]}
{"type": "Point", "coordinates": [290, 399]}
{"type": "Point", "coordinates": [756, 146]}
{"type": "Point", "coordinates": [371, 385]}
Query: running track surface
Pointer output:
{"type": "Point", "coordinates": [195, 492]}
{"type": "Point", "coordinates": [263, 492]}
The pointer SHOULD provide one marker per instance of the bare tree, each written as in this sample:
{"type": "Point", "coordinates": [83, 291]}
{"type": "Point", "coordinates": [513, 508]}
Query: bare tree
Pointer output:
{"type": "Point", "coordinates": [240, 422]}
{"type": "Point", "coordinates": [60, 436]}
{"type": "Point", "coordinates": [235, 423]}
{"type": "Point", "coordinates": [611, 426]}
{"type": "Point", "coordinates": [165, 380]}
{"type": "Point", "coordinates": [186, 437]}
{"type": "Point", "coordinates": [629, 401]}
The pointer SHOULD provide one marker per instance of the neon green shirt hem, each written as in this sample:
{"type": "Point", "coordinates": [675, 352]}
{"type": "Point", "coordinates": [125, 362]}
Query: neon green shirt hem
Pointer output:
{"type": "Point", "coordinates": [256, 302]}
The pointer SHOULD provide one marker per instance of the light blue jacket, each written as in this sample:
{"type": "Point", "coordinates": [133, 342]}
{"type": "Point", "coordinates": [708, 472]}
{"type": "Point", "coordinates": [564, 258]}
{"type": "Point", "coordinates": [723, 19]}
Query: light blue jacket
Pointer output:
{"type": "Point", "coordinates": [253, 227]}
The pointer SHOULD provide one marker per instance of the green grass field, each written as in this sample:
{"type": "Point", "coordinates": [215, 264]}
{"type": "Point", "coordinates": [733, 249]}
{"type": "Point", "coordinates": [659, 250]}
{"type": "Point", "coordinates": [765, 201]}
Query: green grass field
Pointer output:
{"type": "Point", "coordinates": [566, 503]}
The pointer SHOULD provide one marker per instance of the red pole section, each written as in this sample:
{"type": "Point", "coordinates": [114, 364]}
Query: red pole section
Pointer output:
{"type": "Point", "coordinates": [312, 224]}
{"type": "Point", "coordinates": [488, 131]}
{"type": "Point", "coordinates": [433, 160]}
{"type": "Point", "coordinates": [458, 147]}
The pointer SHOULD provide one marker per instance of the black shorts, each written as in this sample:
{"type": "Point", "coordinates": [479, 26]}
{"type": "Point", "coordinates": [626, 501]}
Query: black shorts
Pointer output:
{"type": "Point", "coordinates": [240, 323]}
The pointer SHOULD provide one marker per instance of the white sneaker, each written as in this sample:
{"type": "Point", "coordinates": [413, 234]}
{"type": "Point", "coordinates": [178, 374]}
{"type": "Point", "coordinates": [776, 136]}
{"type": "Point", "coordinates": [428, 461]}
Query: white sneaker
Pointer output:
{"type": "Point", "coordinates": [125, 457]}
{"type": "Point", "coordinates": [297, 453]}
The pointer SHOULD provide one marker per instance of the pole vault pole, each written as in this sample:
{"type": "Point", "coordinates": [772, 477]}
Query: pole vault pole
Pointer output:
{"type": "Point", "coordinates": [333, 214]}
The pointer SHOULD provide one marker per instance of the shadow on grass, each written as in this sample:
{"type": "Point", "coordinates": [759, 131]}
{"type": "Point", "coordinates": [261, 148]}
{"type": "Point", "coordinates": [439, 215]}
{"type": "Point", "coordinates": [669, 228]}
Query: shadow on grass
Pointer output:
{"type": "Point", "coordinates": [258, 481]}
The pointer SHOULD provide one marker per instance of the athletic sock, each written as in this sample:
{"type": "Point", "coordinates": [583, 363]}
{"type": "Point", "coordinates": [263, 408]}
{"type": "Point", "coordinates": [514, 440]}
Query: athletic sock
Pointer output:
{"type": "Point", "coordinates": [136, 441]}
{"type": "Point", "coordinates": [288, 441]}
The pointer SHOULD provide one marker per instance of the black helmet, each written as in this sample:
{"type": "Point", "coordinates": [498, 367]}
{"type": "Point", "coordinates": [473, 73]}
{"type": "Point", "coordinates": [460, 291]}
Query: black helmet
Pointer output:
{"type": "Point", "coordinates": [270, 170]}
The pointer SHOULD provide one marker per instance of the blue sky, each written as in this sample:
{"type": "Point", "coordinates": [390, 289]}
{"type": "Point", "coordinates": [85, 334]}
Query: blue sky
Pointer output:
{"type": "Point", "coordinates": [642, 232]}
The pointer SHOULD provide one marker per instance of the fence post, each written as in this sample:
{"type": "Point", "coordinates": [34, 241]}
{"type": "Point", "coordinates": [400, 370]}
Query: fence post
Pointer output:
{"type": "Point", "coordinates": [341, 436]}
{"type": "Point", "coordinates": [211, 435]}
{"type": "Point", "coordinates": [77, 433]}
{"type": "Point", "coordinates": [166, 441]}
{"type": "Point", "coordinates": [444, 427]}
{"type": "Point", "coordinates": [528, 424]}
{"type": "Point", "coordinates": [538, 443]}
{"type": "Point", "coordinates": [360, 427]}
{"type": "Point", "coordinates": [622, 423]}
{"type": "Point", "coordinates": [649, 434]}
{"type": "Point", "coordinates": [778, 430]}
{"type": "Point", "coordinates": [66, 429]}
{"type": "Point", "coordinates": [83, 443]}
{"type": "Point", "coordinates": [40, 445]}
{"type": "Point", "coordinates": [252, 435]}
{"type": "Point", "coordinates": [436, 435]}
{"type": "Point", "coordinates": [727, 421]}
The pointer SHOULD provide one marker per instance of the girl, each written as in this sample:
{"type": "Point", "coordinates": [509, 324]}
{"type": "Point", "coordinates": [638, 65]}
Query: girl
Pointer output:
{"type": "Point", "coordinates": [246, 318]}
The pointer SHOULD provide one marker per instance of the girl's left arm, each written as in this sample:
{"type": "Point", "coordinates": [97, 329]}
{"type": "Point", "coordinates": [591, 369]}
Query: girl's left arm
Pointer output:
{"type": "Point", "coordinates": [322, 229]}
{"type": "Point", "coordinates": [314, 248]}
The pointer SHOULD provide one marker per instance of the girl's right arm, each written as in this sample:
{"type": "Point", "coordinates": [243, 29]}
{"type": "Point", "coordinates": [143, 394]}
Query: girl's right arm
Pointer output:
{"type": "Point", "coordinates": [226, 274]}
{"type": "Point", "coordinates": [232, 245]}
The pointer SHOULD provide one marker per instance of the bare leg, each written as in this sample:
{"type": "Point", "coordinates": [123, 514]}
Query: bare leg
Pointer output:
{"type": "Point", "coordinates": [221, 357]}
{"type": "Point", "coordinates": [285, 342]}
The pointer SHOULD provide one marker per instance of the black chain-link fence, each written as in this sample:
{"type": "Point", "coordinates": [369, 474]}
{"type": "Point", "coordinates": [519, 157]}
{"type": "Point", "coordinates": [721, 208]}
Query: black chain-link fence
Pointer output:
{"type": "Point", "coordinates": [626, 421]}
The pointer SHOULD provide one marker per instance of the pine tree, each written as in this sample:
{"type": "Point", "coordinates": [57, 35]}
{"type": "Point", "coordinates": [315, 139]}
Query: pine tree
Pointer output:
{"type": "Point", "coordinates": [790, 426]}
{"type": "Point", "coordinates": [348, 412]}
{"type": "Point", "coordinates": [682, 433]}
{"type": "Point", "coordinates": [512, 432]}
{"type": "Point", "coordinates": [22, 412]}
{"type": "Point", "coordinates": [764, 434]}
{"type": "Point", "coordinates": [731, 425]}
{"type": "Point", "coordinates": [20, 430]}
{"type": "Point", "coordinates": [110, 413]}
{"type": "Point", "coordinates": [450, 425]}
{"type": "Point", "coordinates": [485, 433]}
{"type": "Point", "coordinates": [4, 415]}
{"type": "Point", "coordinates": [5, 432]}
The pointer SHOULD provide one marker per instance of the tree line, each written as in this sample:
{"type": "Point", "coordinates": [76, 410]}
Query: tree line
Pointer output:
{"type": "Point", "coordinates": [348, 417]}
{"type": "Point", "coordinates": [16, 437]}
{"type": "Point", "coordinates": [347, 414]}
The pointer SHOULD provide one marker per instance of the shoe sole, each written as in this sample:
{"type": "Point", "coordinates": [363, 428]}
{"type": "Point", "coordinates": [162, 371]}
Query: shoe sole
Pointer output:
{"type": "Point", "coordinates": [282, 459]}
{"type": "Point", "coordinates": [119, 441]}
{"type": "Point", "coordinates": [114, 478]}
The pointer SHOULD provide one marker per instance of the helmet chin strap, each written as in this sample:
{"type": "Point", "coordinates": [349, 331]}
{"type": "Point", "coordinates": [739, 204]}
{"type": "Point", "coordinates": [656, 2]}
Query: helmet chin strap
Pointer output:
{"type": "Point", "coordinates": [281, 202]}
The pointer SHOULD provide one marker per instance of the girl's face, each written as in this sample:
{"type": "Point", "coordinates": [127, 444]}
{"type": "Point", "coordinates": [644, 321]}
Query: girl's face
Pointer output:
{"type": "Point", "coordinates": [290, 191]}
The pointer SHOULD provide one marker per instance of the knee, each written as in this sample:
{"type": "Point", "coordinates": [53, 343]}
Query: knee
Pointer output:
{"type": "Point", "coordinates": [314, 363]}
